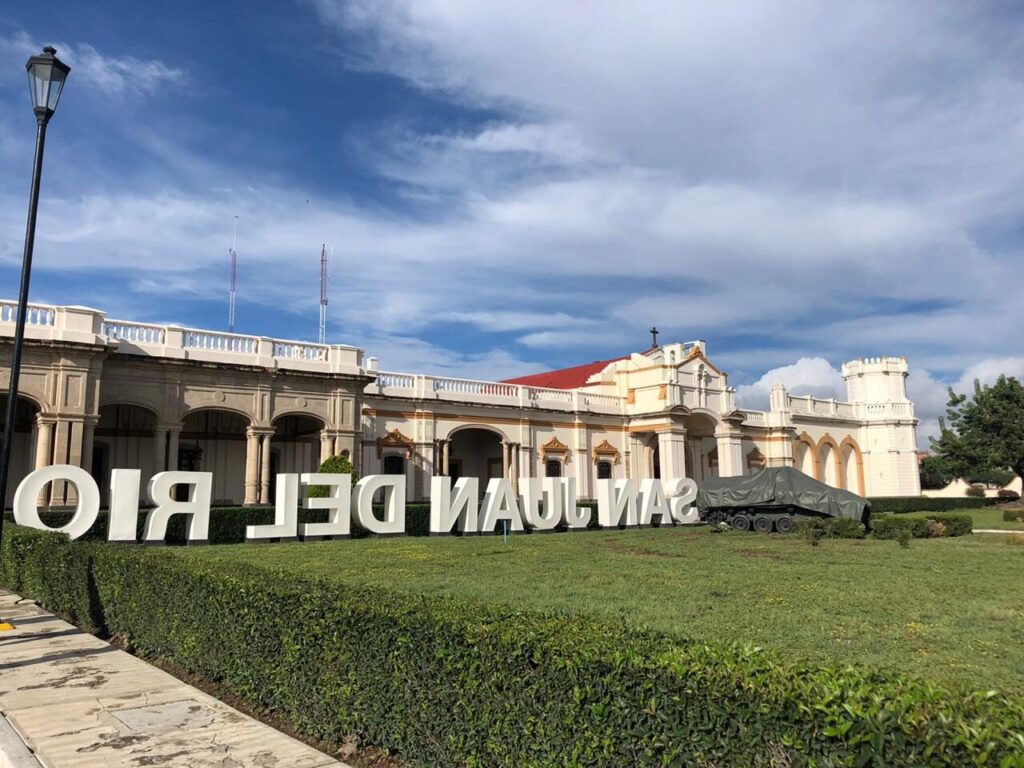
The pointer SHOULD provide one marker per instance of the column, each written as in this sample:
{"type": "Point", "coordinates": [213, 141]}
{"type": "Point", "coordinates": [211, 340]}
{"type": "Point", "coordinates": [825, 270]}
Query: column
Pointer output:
{"type": "Point", "coordinates": [159, 449]}
{"type": "Point", "coordinates": [672, 453]}
{"type": "Point", "coordinates": [265, 469]}
{"type": "Point", "coordinates": [61, 438]}
{"type": "Point", "coordinates": [506, 460]}
{"type": "Point", "coordinates": [730, 452]}
{"type": "Point", "coordinates": [44, 442]}
{"type": "Point", "coordinates": [326, 446]}
{"type": "Point", "coordinates": [88, 435]}
{"type": "Point", "coordinates": [173, 433]}
{"type": "Point", "coordinates": [446, 457]}
{"type": "Point", "coordinates": [252, 452]}
{"type": "Point", "coordinates": [514, 448]}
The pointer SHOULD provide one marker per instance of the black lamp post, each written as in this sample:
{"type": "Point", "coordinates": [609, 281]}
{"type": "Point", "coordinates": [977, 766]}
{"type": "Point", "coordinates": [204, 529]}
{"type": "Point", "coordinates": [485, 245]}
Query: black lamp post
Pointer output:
{"type": "Point", "coordinates": [46, 76]}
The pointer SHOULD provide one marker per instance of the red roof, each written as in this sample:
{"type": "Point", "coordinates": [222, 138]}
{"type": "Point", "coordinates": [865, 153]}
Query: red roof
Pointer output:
{"type": "Point", "coordinates": [564, 378]}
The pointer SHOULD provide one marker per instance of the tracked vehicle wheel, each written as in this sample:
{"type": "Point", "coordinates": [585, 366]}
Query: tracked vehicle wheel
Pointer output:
{"type": "Point", "coordinates": [784, 524]}
{"type": "Point", "coordinates": [741, 523]}
{"type": "Point", "coordinates": [762, 524]}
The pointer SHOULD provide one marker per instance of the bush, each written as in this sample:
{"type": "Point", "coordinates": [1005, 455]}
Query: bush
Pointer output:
{"type": "Point", "coordinates": [975, 492]}
{"type": "Point", "coordinates": [888, 527]}
{"type": "Point", "coordinates": [900, 504]}
{"type": "Point", "coordinates": [339, 465]}
{"type": "Point", "coordinates": [954, 525]}
{"type": "Point", "coordinates": [1013, 515]}
{"type": "Point", "coordinates": [829, 528]}
{"type": "Point", "coordinates": [448, 683]}
{"type": "Point", "coordinates": [1006, 493]}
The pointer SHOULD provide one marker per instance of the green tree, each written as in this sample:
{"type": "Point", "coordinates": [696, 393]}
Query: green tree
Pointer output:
{"type": "Point", "coordinates": [982, 438]}
{"type": "Point", "coordinates": [936, 473]}
{"type": "Point", "coordinates": [337, 465]}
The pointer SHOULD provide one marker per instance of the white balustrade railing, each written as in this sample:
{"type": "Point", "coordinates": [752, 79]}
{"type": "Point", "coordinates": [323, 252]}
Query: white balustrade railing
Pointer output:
{"type": "Point", "coordinates": [755, 418]}
{"type": "Point", "coordinates": [550, 395]}
{"type": "Point", "coordinates": [473, 387]}
{"type": "Point", "coordinates": [134, 333]}
{"type": "Point", "coordinates": [213, 341]}
{"type": "Point", "coordinates": [35, 314]}
{"type": "Point", "coordinates": [297, 350]}
{"type": "Point", "coordinates": [387, 380]}
{"type": "Point", "coordinates": [591, 399]}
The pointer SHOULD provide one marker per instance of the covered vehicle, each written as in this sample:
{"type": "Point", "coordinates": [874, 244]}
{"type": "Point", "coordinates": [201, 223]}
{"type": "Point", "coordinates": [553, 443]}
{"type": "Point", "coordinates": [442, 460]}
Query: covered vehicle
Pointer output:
{"type": "Point", "coordinates": [773, 498]}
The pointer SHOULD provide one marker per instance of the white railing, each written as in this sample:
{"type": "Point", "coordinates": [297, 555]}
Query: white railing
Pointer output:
{"type": "Point", "coordinates": [755, 418]}
{"type": "Point", "coordinates": [473, 387]}
{"type": "Point", "coordinates": [134, 333]}
{"type": "Point", "coordinates": [211, 341]}
{"type": "Point", "coordinates": [395, 380]}
{"type": "Point", "coordinates": [591, 399]}
{"type": "Point", "coordinates": [550, 395]}
{"type": "Point", "coordinates": [35, 314]}
{"type": "Point", "coordinates": [297, 350]}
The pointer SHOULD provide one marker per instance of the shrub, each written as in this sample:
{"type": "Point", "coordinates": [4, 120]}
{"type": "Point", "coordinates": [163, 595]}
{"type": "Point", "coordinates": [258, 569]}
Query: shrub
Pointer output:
{"type": "Point", "coordinates": [903, 537]}
{"type": "Point", "coordinates": [936, 530]}
{"type": "Point", "coordinates": [899, 504]}
{"type": "Point", "coordinates": [829, 528]}
{"type": "Point", "coordinates": [888, 527]}
{"type": "Point", "coordinates": [975, 492]}
{"type": "Point", "coordinates": [1013, 515]}
{"type": "Point", "coordinates": [450, 683]}
{"type": "Point", "coordinates": [339, 465]}
{"type": "Point", "coordinates": [1006, 493]}
{"type": "Point", "coordinates": [953, 525]}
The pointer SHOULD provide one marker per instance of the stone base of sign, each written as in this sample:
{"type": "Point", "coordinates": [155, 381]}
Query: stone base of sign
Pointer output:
{"type": "Point", "coordinates": [75, 700]}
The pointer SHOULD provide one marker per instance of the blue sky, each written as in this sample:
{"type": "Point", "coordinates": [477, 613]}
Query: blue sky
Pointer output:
{"type": "Point", "coordinates": [509, 187]}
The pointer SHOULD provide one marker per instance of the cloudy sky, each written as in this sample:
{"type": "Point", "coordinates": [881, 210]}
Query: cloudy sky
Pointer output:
{"type": "Point", "coordinates": [508, 187]}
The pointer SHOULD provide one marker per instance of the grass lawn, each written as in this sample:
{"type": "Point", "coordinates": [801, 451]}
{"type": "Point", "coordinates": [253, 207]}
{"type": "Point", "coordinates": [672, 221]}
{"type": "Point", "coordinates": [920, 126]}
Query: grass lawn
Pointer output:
{"type": "Point", "coordinates": [944, 609]}
{"type": "Point", "coordinates": [986, 517]}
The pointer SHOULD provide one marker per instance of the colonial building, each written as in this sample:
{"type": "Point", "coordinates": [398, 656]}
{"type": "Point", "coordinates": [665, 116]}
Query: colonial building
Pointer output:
{"type": "Point", "coordinates": [102, 394]}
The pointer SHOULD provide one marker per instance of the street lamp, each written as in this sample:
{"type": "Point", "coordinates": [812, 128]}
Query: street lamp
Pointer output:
{"type": "Point", "coordinates": [46, 77]}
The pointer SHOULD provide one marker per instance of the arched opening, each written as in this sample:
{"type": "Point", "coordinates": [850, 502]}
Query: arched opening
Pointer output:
{"type": "Point", "coordinates": [852, 466]}
{"type": "Point", "coordinates": [803, 458]}
{"type": "Point", "coordinates": [23, 442]}
{"type": "Point", "coordinates": [126, 439]}
{"type": "Point", "coordinates": [702, 446]}
{"type": "Point", "coordinates": [214, 440]}
{"type": "Point", "coordinates": [828, 460]}
{"type": "Point", "coordinates": [475, 452]}
{"type": "Point", "coordinates": [296, 443]}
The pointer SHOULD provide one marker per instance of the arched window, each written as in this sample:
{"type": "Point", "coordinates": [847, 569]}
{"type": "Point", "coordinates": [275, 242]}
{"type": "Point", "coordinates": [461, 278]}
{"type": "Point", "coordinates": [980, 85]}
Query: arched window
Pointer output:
{"type": "Point", "coordinates": [604, 470]}
{"type": "Point", "coordinates": [552, 468]}
{"type": "Point", "coordinates": [394, 465]}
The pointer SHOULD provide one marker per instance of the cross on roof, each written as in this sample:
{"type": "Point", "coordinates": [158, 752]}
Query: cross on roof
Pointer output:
{"type": "Point", "coordinates": [654, 335]}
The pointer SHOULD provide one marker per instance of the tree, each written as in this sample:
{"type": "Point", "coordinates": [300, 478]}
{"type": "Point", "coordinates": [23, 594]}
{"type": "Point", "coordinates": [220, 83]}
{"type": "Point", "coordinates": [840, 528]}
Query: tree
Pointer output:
{"type": "Point", "coordinates": [984, 438]}
{"type": "Point", "coordinates": [332, 465]}
{"type": "Point", "coordinates": [936, 473]}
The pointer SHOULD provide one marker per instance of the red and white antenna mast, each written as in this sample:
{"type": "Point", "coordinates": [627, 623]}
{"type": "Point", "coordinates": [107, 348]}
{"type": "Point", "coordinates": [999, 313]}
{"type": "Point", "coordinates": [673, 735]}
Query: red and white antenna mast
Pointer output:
{"type": "Point", "coordinates": [234, 271]}
{"type": "Point", "coordinates": [323, 293]}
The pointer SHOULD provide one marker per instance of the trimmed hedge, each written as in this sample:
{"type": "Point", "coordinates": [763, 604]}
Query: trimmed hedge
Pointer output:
{"type": "Point", "coordinates": [900, 504]}
{"type": "Point", "coordinates": [448, 683]}
{"type": "Point", "coordinates": [889, 527]}
{"type": "Point", "coordinates": [1012, 515]}
{"type": "Point", "coordinates": [830, 527]}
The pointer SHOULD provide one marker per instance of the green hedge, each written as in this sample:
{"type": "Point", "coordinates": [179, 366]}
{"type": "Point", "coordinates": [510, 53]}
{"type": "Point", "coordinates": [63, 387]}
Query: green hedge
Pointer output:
{"type": "Point", "coordinates": [899, 504]}
{"type": "Point", "coordinates": [1011, 515]}
{"type": "Point", "coordinates": [830, 527]}
{"type": "Point", "coordinates": [889, 527]}
{"type": "Point", "coordinates": [447, 683]}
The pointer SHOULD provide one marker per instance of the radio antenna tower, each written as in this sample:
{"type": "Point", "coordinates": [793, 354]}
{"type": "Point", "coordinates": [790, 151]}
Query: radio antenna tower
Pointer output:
{"type": "Point", "coordinates": [323, 293]}
{"type": "Point", "coordinates": [234, 271]}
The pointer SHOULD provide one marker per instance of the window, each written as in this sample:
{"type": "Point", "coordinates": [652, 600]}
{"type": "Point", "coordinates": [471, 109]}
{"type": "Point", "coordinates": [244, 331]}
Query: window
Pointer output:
{"type": "Point", "coordinates": [552, 468]}
{"type": "Point", "coordinates": [394, 465]}
{"type": "Point", "coordinates": [604, 470]}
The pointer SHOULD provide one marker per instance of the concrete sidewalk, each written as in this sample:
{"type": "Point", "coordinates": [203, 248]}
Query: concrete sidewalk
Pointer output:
{"type": "Point", "coordinates": [77, 701]}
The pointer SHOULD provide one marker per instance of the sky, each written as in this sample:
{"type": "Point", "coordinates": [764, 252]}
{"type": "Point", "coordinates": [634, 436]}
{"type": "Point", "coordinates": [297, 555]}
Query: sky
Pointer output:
{"type": "Point", "coordinates": [511, 187]}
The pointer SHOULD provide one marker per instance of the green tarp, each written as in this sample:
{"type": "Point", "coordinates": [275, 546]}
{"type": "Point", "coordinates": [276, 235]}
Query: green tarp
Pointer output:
{"type": "Point", "coordinates": [781, 487]}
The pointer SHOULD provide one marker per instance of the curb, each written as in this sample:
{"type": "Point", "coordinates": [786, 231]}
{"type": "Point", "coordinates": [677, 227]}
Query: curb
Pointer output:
{"type": "Point", "coordinates": [14, 752]}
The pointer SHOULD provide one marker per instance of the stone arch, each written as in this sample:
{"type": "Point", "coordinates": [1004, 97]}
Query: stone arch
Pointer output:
{"type": "Point", "coordinates": [486, 427]}
{"type": "Point", "coordinates": [829, 470]}
{"type": "Point", "coordinates": [295, 444]}
{"type": "Point", "coordinates": [215, 439]}
{"type": "Point", "coordinates": [24, 441]}
{"type": "Point", "coordinates": [278, 415]}
{"type": "Point", "coordinates": [805, 455]}
{"type": "Point", "coordinates": [852, 463]}
{"type": "Point", "coordinates": [127, 437]}
{"type": "Point", "coordinates": [476, 450]}
{"type": "Point", "coordinates": [253, 421]}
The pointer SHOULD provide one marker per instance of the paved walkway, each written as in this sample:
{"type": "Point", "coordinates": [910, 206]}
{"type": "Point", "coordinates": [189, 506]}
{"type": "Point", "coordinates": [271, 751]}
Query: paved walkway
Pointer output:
{"type": "Point", "coordinates": [78, 701]}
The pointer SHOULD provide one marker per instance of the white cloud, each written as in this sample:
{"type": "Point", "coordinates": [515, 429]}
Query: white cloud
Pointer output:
{"type": "Point", "coordinates": [807, 376]}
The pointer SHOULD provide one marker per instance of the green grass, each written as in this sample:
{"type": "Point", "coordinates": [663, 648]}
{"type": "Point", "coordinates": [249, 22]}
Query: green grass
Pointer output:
{"type": "Point", "coordinates": [984, 517]}
{"type": "Point", "coordinates": [949, 610]}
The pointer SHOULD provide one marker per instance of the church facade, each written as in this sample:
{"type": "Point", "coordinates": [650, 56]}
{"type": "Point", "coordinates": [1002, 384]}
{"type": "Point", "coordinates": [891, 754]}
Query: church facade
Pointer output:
{"type": "Point", "coordinates": [103, 394]}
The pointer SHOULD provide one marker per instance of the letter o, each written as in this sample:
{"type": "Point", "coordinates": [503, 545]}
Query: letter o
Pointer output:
{"type": "Point", "coordinates": [25, 512]}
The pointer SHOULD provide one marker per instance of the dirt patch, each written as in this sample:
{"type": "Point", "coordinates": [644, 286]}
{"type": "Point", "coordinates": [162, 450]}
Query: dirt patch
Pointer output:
{"type": "Point", "coordinates": [761, 553]}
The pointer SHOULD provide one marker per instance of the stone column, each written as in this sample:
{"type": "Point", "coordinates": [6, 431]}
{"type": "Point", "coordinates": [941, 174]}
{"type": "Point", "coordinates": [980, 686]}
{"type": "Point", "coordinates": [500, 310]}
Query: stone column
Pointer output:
{"type": "Point", "coordinates": [730, 452]}
{"type": "Point", "coordinates": [88, 436]}
{"type": "Point", "coordinates": [514, 450]}
{"type": "Point", "coordinates": [252, 459]}
{"type": "Point", "coordinates": [44, 442]}
{"type": "Point", "coordinates": [173, 435]}
{"type": "Point", "coordinates": [265, 469]}
{"type": "Point", "coordinates": [446, 457]}
{"type": "Point", "coordinates": [525, 461]}
{"type": "Point", "coordinates": [506, 460]}
{"type": "Point", "coordinates": [672, 453]}
{"type": "Point", "coordinates": [326, 446]}
{"type": "Point", "coordinates": [159, 449]}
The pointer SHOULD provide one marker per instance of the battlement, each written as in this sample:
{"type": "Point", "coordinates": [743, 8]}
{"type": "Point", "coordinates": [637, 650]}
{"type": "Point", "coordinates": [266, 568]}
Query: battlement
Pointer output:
{"type": "Point", "coordinates": [876, 379]}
